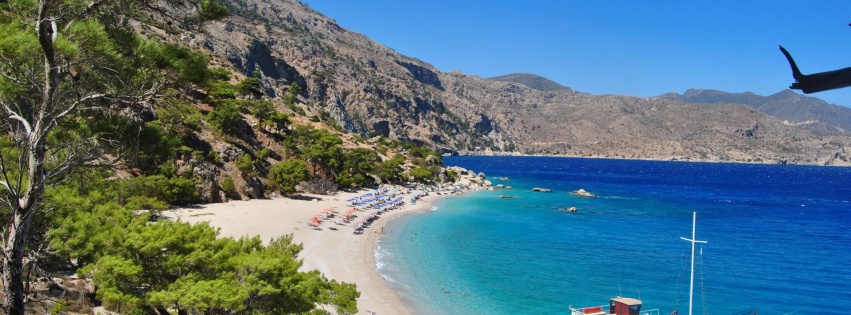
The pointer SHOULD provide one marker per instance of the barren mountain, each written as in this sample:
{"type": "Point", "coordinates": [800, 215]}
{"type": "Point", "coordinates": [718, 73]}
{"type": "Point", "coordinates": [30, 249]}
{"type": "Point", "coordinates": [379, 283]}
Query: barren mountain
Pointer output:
{"type": "Point", "coordinates": [370, 89]}
{"type": "Point", "coordinates": [533, 81]}
{"type": "Point", "coordinates": [811, 113]}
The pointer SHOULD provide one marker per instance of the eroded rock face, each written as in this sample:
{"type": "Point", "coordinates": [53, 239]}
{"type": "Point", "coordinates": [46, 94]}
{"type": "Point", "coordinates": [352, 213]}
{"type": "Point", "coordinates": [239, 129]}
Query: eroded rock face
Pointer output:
{"type": "Point", "coordinates": [254, 188]}
{"type": "Point", "coordinates": [484, 125]}
{"type": "Point", "coordinates": [204, 175]}
{"type": "Point", "coordinates": [382, 128]}
{"type": "Point", "coordinates": [840, 158]}
{"type": "Point", "coordinates": [207, 182]}
{"type": "Point", "coordinates": [422, 74]}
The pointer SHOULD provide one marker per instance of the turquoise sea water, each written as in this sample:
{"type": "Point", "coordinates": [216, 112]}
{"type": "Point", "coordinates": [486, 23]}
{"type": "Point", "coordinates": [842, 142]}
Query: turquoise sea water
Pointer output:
{"type": "Point", "coordinates": [779, 239]}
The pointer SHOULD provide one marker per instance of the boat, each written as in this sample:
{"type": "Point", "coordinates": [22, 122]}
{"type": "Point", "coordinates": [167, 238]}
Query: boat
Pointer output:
{"type": "Point", "coordinates": [629, 306]}
{"type": "Point", "coordinates": [617, 306]}
{"type": "Point", "coordinates": [542, 189]}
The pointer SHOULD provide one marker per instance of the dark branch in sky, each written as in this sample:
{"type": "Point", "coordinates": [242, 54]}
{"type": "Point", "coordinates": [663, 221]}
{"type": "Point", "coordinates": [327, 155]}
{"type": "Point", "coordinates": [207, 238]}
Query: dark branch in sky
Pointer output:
{"type": "Point", "coordinates": [817, 82]}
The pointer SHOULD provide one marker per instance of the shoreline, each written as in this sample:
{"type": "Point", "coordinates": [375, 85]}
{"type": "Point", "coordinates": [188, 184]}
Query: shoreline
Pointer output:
{"type": "Point", "coordinates": [682, 159]}
{"type": "Point", "coordinates": [338, 254]}
{"type": "Point", "coordinates": [392, 302]}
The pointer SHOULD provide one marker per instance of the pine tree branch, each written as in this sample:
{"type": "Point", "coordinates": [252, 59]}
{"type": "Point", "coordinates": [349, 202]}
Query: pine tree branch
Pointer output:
{"type": "Point", "coordinates": [16, 116]}
{"type": "Point", "coordinates": [77, 103]}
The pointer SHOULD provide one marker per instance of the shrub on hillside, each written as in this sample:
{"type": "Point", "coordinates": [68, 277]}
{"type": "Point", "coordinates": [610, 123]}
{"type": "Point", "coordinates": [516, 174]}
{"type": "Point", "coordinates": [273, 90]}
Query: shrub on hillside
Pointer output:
{"type": "Point", "coordinates": [285, 175]}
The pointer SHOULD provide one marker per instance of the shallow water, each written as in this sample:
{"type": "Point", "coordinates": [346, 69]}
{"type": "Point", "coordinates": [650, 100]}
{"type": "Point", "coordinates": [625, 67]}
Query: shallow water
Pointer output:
{"type": "Point", "coordinates": [778, 239]}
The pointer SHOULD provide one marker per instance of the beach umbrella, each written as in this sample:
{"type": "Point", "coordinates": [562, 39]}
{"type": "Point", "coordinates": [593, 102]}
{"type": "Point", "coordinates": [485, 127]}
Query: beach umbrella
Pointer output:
{"type": "Point", "coordinates": [350, 211]}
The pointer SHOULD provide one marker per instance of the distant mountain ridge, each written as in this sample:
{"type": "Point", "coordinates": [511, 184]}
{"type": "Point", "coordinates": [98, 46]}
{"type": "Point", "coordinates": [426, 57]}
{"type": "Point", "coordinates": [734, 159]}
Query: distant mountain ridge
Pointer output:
{"type": "Point", "coordinates": [533, 81]}
{"type": "Point", "coordinates": [811, 113]}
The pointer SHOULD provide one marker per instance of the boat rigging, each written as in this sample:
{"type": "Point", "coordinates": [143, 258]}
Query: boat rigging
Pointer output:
{"type": "Point", "coordinates": [630, 306]}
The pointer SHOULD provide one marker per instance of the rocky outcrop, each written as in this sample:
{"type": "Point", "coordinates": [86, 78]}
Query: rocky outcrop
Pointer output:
{"type": "Point", "coordinates": [484, 125]}
{"type": "Point", "coordinates": [584, 194]}
{"type": "Point", "coordinates": [207, 179]}
{"type": "Point", "coordinates": [422, 74]}
{"type": "Point", "coordinates": [253, 187]}
{"type": "Point", "coordinates": [230, 153]}
{"type": "Point", "coordinates": [839, 158]}
{"type": "Point", "coordinates": [469, 179]}
{"type": "Point", "coordinates": [205, 176]}
{"type": "Point", "coordinates": [259, 58]}
{"type": "Point", "coordinates": [382, 128]}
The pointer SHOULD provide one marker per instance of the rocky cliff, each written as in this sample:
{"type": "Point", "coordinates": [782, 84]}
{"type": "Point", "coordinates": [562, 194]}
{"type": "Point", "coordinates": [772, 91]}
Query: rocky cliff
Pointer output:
{"type": "Point", "coordinates": [370, 89]}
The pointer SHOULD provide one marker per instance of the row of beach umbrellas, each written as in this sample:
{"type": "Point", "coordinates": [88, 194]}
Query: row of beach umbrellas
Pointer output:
{"type": "Point", "coordinates": [314, 220]}
{"type": "Point", "coordinates": [390, 203]}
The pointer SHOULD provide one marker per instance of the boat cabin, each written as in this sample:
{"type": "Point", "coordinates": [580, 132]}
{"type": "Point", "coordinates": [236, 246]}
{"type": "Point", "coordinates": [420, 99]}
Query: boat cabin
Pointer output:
{"type": "Point", "coordinates": [624, 306]}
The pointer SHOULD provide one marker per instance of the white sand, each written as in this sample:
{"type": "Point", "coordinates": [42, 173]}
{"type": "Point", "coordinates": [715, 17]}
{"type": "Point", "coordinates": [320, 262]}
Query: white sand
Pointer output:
{"type": "Point", "coordinates": [340, 254]}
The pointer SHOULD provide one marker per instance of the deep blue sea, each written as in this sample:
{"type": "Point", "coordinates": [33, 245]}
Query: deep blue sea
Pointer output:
{"type": "Point", "coordinates": [779, 239]}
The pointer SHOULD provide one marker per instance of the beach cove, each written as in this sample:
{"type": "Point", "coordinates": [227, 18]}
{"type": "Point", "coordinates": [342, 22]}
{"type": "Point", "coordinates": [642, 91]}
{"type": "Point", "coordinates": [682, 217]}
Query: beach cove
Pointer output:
{"type": "Point", "coordinates": [775, 237]}
{"type": "Point", "coordinates": [339, 254]}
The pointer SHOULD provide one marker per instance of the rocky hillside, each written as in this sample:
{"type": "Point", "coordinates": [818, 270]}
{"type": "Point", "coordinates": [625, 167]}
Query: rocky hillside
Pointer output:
{"type": "Point", "coordinates": [810, 113]}
{"type": "Point", "coordinates": [367, 88]}
{"type": "Point", "coordinates": [370, 89]}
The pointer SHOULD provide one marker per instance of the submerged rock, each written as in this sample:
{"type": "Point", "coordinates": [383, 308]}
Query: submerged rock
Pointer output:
{"type": "Point", "coordinates": [583, 193]}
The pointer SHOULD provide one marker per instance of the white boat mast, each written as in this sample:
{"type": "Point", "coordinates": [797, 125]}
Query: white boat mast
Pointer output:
{"type": "Point", "coordinates": [692, 240]}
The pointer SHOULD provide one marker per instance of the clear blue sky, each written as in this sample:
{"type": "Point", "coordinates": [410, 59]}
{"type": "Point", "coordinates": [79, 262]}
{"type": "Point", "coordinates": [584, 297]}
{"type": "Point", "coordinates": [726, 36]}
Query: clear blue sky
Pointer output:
{"type": "Point", "coordinates": [641, 48]}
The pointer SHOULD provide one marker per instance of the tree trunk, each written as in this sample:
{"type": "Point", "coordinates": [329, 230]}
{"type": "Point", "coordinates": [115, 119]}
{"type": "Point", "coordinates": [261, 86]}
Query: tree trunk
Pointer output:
{"type": "Point", "coordinates": [26, 201]}
{"type": "Point", "coordinates": [13, 265]}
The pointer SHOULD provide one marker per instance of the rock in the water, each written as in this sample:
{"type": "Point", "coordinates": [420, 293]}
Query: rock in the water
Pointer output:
{"type": "Point", "coordinates": [583, 193]}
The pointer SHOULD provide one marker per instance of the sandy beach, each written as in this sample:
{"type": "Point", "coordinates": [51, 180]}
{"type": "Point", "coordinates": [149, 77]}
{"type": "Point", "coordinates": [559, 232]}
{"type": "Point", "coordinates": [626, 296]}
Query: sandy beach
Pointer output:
{"type": "Point", "coordinates": [339, 254]}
